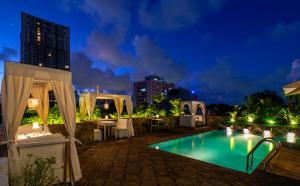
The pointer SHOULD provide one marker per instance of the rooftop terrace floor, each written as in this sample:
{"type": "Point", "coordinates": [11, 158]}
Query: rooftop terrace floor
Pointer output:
{"type": "Point", "coordinates": [133, 163]}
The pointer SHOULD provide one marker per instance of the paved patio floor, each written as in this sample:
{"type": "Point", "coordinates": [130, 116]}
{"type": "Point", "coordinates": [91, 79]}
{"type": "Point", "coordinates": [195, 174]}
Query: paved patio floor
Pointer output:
{"type": "Point", "coordinates": [124, 163]}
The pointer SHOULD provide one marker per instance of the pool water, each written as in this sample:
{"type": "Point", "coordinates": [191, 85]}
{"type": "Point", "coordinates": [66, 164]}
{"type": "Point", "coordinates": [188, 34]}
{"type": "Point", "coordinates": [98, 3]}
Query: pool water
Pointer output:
{"type": "Point", "coordinates": [217, 148]}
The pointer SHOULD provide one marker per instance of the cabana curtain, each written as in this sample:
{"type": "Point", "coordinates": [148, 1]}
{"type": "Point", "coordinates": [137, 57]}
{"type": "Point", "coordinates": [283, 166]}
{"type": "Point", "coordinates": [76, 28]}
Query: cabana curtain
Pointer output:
{"type": "Point", "coordinates": [129, 108]}
{"type": "Point", "coordinates": [193, 105]}
{"type": "Point", "coordinates": [64, 94]}
{"type": "Point", "coordinates": [15, 93]}
{"type": "Point", "coordinates": [41, 94]}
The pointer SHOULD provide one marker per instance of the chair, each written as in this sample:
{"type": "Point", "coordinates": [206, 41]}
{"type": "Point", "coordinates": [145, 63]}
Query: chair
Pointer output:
{"type": "Point", "coordinates": [121, 130]}
{"type": "Point", "coordinates": [97, 135]}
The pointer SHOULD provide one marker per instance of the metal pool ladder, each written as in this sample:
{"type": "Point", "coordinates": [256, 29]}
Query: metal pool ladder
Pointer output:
{"type": "Point", "coordinates": [274, 141]}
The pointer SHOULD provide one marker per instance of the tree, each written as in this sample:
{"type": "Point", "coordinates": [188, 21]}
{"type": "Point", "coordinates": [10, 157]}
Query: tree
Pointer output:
{"type": "Point", "coordinates": [175, 110]}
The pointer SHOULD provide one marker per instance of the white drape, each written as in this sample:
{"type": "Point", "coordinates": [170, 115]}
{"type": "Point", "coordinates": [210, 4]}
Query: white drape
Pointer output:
{"type": "Point", "coordinates": [129, 108]}
{"type": "Point", "coordinates": [41, 94]}
{"type": "Point", "coordinates": [82, 106]}
{"type": "Point", "coordinates": [66, 103]}
{"type": "Point", "coordinates": [90, 102]}
{"type": "Point", "coordinates": [119, 103]}
{"type": "Point", "coordinates": [203, 109]}
{"type": "Point", "coordinates": [15, 93]}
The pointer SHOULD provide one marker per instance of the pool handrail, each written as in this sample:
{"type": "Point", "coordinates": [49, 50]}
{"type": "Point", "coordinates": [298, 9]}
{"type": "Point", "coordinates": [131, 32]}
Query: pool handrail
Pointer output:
{"type": "Point", "coordinates": [268, 139]}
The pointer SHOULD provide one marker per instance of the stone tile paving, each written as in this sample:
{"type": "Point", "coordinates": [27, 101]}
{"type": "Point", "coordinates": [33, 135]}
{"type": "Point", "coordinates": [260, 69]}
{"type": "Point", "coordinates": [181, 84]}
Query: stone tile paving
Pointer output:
{"type": "Point", "coordinates": [124, 163]}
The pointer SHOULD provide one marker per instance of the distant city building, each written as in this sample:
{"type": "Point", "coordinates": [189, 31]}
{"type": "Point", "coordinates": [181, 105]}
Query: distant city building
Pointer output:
{"type": "Point", "coordinates": [182, 94]}
{"type": "Point", "coordinates": [44, 43]}
{"type": "Point", "coordinates": [153, 85]}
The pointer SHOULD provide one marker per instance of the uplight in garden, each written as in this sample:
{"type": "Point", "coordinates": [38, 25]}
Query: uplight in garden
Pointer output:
{"type": "Point", "coordinates": [291, 137]}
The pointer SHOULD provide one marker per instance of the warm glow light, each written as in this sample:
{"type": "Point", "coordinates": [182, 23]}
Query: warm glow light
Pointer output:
{"type": "Point", "coordinates": [231, 143]}
{"type": "Point", "coordinates": [106, 106]}
{"type": "Point", "coordinates": [157, 116]}
{"type": "Point", "coordinates": [32, 103]}
{"type": "Point", "coordinates": [249, 145]}
{"type": "Point", "coordinates": [246, 133]}
{"type": "Point", "coordinates": [291, 137]}
{"type": "Point", "coordinates": [250, 119]}
{"type": "Point", "coordinates": [35, 125]}
{"type": "Point", "coordinates": [106, 116]}
{"type": "Point", "coordinates": [228, 131]}
{"type": "Point", "coordinates": [267, 133]}
{"type": "Point", "coordinates": [293, 122]}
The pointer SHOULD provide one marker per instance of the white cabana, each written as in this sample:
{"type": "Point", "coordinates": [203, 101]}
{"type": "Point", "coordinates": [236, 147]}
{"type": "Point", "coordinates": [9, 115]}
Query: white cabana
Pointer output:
{"type": "Point", "coordinates": [88, 101]}
{"type": "Point", "coordinates": [292, 88]}
{"type": "Point", "coordinates": [191, 119]}
{"type": "Point", "coordinates": [21, 80]}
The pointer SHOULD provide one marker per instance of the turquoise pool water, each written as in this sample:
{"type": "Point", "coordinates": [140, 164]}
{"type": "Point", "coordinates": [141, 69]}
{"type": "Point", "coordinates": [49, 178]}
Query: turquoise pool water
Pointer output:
{"type": "Point", "coordinates": [217, 148]}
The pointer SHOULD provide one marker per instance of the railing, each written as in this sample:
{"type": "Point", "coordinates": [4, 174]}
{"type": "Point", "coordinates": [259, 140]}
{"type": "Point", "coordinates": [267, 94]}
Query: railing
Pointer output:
{"type": "Point", "coordinates": [268, 139]}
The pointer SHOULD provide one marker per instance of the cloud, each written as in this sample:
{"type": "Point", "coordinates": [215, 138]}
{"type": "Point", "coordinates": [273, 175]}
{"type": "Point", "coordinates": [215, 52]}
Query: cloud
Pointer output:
{"type": "Point", "coordinates": [85, 76]}
{"type": "Point", "coordinates": [294, 73]}
{"type": "Point", "coordinates": [106, 48]}
{"type": "Point", "coordinates": [224, 83]}
{"type": "Point", "coordinates": [107, 12]}
{"type": "Point", "coordinates": [152, 59]}
{"type": "Point", "coordinates": [6, 53]}
{"type": "Point", "coordinates": [285, 30]}
{"type": "Point", "coordinates": [175, 14]}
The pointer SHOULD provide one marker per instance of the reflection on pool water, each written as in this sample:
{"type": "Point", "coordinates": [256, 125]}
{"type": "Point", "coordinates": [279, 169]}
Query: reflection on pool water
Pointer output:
{"type": "Point", "coordinates": [218, 148]}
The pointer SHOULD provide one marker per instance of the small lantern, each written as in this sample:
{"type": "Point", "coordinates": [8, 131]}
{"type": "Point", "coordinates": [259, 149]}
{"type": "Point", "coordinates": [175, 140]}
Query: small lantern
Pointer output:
{"type": "Point", "coordinates": [291, 137]}
{"type": "Point", "coordinates": [35, 126]}
{"type": "Point", "coordinates": [267, 133]}
{"type": "Point", "coordinates": [106, 106]}
{"type": "Point", "coordinates": [32, 103]}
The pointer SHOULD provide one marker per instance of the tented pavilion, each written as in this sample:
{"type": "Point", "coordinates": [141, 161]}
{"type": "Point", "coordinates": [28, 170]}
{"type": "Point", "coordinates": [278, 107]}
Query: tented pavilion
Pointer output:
{"type": "Point", "coordinates": [192, 119]}
{"type": "Point", "coordinates": [19, 82]}
{"type": "Point", "coordinates": [292, 88]}
{"type": "Point", "coordinates": [87, 103]}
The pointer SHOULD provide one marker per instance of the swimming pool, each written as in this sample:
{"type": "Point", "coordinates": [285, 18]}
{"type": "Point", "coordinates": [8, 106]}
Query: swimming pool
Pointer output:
{"type": "Point", "coordinates": [217, 148]}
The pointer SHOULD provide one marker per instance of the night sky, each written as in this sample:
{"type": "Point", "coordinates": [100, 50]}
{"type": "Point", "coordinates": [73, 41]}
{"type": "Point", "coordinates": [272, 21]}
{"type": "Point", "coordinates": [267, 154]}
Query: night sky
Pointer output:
{"type": "Point", "coordinates": [222, 49]}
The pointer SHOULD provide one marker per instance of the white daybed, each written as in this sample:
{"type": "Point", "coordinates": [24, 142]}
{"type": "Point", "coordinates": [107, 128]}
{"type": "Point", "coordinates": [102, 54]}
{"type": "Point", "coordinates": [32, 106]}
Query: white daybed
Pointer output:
{"type": "Point", "coordinates": [21, 80]}
{"type": "Point", "coordinates": [192, 120]}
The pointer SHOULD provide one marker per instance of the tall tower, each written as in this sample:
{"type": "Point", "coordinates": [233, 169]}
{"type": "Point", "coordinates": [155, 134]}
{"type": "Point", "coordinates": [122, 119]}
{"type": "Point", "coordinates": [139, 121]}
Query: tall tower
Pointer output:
{"type": "Point", "coordinates": [44, 43]}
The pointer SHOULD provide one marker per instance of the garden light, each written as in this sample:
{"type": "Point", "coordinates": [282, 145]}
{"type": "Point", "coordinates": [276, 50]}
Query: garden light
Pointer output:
{"type": "Point", "coordinates": [232, 119]}
{"type": "Point", "coordinates": [228, 131]}
{"type": "Point", "coordinates": [291, 137]}
{"type": "Point", "coordinates": [293, 122]}
{"type": "Point", "coordinates": [250, 119]}
{"type": "Point", "coordinates": [267, 133]}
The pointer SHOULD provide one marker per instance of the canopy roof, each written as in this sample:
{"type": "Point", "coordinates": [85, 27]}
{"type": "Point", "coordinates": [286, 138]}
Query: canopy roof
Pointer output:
{"type": "Point", "coordinates": [292, 88]}
{"type": "Point", "coordinates": [19, 82]}
{"type": "Point", "coordinates": [104, 95]}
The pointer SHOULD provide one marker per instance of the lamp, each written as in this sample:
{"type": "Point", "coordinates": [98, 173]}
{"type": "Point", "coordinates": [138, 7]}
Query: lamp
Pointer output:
{"type": "Point", "coordinates": [32, 103]}
{"type": "Point", "coordinates": [246, 133]}
{"type": "Point", "coordinates": [267, 133]}
{"type": "Point", "coordinates": [35, 126]}
{"type": "Point", "coordinates": [291, 137]}
{"type": "Point", "coordinates": [228, 131]}
{"type": "Point", "coordinates": [106, 105]}
{"type": "Point", "coordinates": [157, 116]}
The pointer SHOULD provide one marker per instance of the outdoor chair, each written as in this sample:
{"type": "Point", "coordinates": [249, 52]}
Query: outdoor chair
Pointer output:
{"type": "Point", "coordinates": [121, 130]}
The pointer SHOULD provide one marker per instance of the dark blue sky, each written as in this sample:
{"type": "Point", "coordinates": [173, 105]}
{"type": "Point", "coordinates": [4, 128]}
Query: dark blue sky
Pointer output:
{"type": "Point", "coordinates": [223, 49]}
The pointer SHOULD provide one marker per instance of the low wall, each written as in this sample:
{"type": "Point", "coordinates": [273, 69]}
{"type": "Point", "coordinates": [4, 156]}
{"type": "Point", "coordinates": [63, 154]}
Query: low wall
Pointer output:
{"type": "Point", "coordinates": [4, 171]}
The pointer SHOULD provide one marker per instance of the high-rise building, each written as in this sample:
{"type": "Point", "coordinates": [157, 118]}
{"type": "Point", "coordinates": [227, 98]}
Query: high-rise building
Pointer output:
{"type": "Point", "coordinates": [152, 86]}
{"type": "Point", "coordinates": [44, 43]}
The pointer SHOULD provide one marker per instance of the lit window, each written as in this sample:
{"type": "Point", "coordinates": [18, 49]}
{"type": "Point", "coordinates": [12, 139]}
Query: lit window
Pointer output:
{"type": "Point", "coordinates": [40, 64]}
{"type": "Point", "coordinates": [49, 54]}
{"type": "Point", "coordinates": [67, 67]}
{"type": "Point", "coordinates": [38, 23]}
{"type": "Point", "coordinates": [142, 89]}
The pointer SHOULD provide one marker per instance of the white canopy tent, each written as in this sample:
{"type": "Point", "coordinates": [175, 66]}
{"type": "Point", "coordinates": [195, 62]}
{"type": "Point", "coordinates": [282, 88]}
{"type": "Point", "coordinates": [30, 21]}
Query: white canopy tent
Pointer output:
{"type": "Point", "coordinates": [21, 80]}
{"type": "Point", "coordinates": [292, 88]}
{"type": "Point", "coordinates": [87, 104]}
{"type": "Point", "coordinates": [193, 106]}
